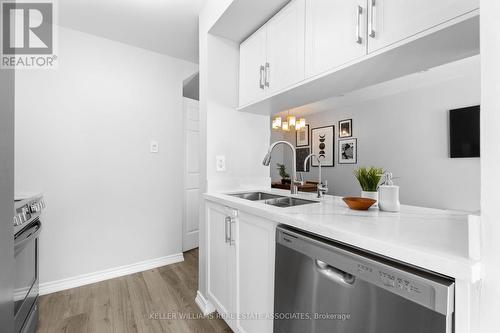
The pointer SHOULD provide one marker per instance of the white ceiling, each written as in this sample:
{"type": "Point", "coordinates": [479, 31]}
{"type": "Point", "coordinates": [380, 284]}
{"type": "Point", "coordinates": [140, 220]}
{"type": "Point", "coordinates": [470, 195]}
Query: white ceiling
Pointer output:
{"type": "Point", "coordinates": [166, 26]}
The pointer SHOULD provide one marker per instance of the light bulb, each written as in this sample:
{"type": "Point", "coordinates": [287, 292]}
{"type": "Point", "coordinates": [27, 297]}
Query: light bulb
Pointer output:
{"type": "Point", "coordinates": [291, 121]}
{"type": "Point", "coordinates": [302, 122]}
{"type": "Point", "coordinates": [284, 126]}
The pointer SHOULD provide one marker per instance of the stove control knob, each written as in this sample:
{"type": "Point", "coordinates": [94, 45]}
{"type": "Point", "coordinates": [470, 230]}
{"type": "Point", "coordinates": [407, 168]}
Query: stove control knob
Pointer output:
{"type": "Point", "coordinates": [35, 208]}
{"type": "Point", "coordinates": [16, 221]}
{"type": "Point", "coordinates": [21, 218]}
{"type": "Point", "coordinates": [42, 204]}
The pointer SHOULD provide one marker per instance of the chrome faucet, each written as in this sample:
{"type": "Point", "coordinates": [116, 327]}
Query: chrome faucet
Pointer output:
{"type": "Point", "coordinates": [267, 160]}
{"type": "Point", "coordinates": [321, 187]}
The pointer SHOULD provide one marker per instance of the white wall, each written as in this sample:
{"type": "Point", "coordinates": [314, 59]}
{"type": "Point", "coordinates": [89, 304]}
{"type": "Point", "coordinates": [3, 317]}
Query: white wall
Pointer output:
{"type": "Point", "coordinates": [407, 134]}
{"type": "Point", "coordinates": [490, 162]}
{"type": "Point", "coordinates": [82, 138]}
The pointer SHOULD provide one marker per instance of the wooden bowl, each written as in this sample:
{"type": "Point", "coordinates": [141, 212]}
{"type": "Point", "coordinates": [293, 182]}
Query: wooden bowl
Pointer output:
{"type": "Point", "coordinates": [357, 203]}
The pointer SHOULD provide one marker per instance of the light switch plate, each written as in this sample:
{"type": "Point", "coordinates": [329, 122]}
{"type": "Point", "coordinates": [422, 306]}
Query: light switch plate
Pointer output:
{"type": "Point", "coordinates": [220, 163]}
{"type": "Point", "coordinates": [154, 147]}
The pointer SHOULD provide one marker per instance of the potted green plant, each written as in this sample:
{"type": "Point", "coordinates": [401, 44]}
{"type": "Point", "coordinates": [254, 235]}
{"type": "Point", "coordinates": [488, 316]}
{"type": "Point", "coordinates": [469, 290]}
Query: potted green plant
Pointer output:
{"type": "Point", "coordinates": [368, 179]}
{"type": "Point", "coordinates": [285, 177]}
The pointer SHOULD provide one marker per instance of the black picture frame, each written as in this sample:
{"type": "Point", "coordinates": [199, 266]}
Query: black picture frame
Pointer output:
{"type": "Point", "coordinates": [345, 121]}
{"type": "Point", "coordinates": [297, 137]}
{"type": "Point", "coordinates": [302, 153]}
{"type": "Point", "coordinates": [317, 149]}
{"type": "Point", "coordinates": [354, 160]}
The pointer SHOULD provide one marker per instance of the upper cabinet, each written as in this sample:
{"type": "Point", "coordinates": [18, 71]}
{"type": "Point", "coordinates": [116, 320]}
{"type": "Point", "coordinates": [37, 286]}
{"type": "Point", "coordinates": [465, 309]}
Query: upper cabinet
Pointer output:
{"type": "Point", "coordinates": [285, 47]}
{"type": "Point", "coordinates": [390, 21]}
{"type": "Point", "coordinates": [272, 58]}
{"type": "Point", "coordinates": [252, 67]}
{"type": "Point", "coordinates": [335, 33]}
{"type": "Point", "coordinates": [315, 49]}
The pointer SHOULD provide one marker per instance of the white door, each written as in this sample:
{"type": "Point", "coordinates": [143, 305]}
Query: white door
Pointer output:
{"type": "Point", "coordinates": [252, 62]}
{"type": "Point", "coordinates": [335, 33]}
{"type": "Point", "coordinates": [285, 47]}
{"type": "Point", "coordinates": [390, 21]}
{"type": "Point", "coordinates": [191, 174]}
{"type": "Point", "coordinates": [255, 252]}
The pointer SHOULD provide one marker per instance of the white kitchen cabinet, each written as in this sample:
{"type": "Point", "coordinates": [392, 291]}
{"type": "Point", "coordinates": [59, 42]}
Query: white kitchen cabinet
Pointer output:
{"type": "Point", "coordinates": [390, 21]}
{"type": "Point", "coordinates": [285, 47]}
{"type": "Point", "coordinates": [252, 67]}
{"type": "Point", "coordinates": [240, 268]}
{"type": "Point", "coordinates": [255, 252]}
{"type": "Point", "coordinates": [272, 58]}
{"type": "Point", "coordinates": [221, 261]}
{"type": "Point", "coordinates": [335, 33]}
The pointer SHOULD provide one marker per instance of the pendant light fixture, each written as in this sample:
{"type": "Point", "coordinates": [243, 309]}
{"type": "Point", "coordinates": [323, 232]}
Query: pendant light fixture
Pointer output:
{"type": "Point", "coordinates": [289, 123]}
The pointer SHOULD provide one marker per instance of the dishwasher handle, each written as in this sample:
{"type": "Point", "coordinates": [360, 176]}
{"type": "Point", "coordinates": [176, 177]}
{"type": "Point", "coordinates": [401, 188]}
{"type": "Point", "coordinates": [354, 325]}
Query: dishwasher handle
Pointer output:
{"type": "Point", "coordinates": [334, 274]}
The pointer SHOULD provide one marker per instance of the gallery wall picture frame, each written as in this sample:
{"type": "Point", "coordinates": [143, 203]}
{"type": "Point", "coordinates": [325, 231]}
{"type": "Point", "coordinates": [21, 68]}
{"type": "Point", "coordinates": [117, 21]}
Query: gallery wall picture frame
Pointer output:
{"type": "Point", "coordinates": [323, 145]}
{"type": "Point", "coordinates": [302, 137]}
{"type": "Point", "coordinates": [345, 128]}
{"type": "Point", "coordinates": [302, 153]}
{"type": "Point", "coordinates": [348, 151]}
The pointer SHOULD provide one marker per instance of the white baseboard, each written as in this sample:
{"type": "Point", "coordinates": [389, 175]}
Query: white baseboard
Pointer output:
{"type": "Point", "coordinates": [81, 280]}
{"type": "Point", "coordinates": [205, 306]}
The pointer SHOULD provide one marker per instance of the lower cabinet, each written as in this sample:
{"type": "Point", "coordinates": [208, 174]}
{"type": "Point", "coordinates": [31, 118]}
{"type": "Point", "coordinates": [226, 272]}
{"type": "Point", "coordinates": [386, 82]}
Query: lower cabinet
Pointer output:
{"type": "Point", "coordinates": [255, 253]}
{"type": "Point", "coordinates": [221, 262]}
{"type": "Point", "coordinates": [240, 259]}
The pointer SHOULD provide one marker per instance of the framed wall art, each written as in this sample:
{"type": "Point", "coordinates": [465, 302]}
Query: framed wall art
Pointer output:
{"type": "Point", "coordinates": [345, 128]}
{"type": "Point", "coordinates": [302, 137]}
{"type": "Point", "coordinates": [322, 145]}
{"type": "Point", "coordinates": [348, 151]}
{"type": "Point", "coordinates": [302, 153]}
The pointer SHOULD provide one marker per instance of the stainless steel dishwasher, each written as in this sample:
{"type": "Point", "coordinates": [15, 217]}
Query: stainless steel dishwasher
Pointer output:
{"type": "Point", "coordinates": [323, 286]}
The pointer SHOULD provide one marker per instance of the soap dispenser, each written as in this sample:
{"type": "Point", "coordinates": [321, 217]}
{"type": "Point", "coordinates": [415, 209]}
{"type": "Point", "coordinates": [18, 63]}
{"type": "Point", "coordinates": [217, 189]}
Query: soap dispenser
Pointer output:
{"type": "Point", "coordinates": [388, 194]}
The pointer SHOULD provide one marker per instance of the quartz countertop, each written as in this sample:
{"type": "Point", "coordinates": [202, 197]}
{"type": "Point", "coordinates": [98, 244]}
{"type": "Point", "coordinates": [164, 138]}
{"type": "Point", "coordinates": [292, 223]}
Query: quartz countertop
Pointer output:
{"type": "Point", "coordinates": [434, 239]}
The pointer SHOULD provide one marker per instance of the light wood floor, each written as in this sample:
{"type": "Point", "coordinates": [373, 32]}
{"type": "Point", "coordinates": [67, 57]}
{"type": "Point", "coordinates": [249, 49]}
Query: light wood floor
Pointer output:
{"type": "Point", "coordinates": [130, 304]}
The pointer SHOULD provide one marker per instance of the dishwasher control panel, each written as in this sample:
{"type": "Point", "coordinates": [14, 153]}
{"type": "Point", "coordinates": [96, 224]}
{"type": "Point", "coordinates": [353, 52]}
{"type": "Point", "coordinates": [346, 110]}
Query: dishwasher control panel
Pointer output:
{"type": "Point", "coordinates": [394, 282]}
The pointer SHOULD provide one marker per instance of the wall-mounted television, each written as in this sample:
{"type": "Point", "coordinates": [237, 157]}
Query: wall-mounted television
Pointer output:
{"type": "Point", "coordinates": [465, 132]}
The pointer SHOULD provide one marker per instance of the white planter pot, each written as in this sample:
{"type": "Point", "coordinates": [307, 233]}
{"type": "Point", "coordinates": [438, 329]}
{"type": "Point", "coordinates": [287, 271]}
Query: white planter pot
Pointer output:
{"type": "Point", "coordinates": [370, 195]}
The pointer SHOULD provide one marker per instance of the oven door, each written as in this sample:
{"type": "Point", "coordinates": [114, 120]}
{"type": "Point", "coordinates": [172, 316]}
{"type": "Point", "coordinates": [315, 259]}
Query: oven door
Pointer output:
{"type": "Point", "coordinates": [26, 272]}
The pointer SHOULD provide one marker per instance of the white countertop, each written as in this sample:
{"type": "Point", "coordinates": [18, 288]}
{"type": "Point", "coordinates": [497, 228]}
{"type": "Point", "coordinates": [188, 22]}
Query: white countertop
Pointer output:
{"type": "Point", "coordinates": [437, 240]}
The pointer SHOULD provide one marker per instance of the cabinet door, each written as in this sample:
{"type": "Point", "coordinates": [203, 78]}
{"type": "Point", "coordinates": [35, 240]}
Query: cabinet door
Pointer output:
{"type": "Point", "coordinates": [221, 262]}
{"type": "Point", "coordinates": [335, 33]}
{"type": "Point", "coordinates": [252, 62]}
{"type": "Point", "coordinates": [390, 21]}
{"type": "Point", "coordinates": [255, 254]}
{"type": "Point", "coordinates": [285, 47]}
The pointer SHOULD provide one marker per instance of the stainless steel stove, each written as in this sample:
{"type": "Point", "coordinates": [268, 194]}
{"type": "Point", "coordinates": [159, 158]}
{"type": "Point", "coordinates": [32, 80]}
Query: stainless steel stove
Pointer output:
{"type": "Point", "coordinates": [27, 228]}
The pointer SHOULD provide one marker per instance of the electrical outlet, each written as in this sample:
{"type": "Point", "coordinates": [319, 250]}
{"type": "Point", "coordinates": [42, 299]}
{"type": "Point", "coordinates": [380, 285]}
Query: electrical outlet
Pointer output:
{"type": "Point", "coordinates": [154, 147]}
{"type": "Point", "coordinates": [220, 163]}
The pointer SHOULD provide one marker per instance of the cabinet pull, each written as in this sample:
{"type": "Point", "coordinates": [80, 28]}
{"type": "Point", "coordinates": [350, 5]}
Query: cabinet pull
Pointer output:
{"type": "Point", "coordinates": [267, 74]}
{"type": "Point", "coordinates": [359, 11]}
{"type": "Point", "coordinates": [231, 238]}
{"type": "Point", "coordinates": [261, 84]}
{"type": "Point", "coordinates": [372, 9]}
{"type": "Point", "coordinates": [227, 226]}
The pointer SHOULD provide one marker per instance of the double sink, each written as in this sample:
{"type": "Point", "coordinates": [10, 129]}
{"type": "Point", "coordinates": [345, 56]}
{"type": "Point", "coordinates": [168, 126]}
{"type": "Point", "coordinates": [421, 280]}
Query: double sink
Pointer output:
{"type": "Point", "coordinates": [273, 199]}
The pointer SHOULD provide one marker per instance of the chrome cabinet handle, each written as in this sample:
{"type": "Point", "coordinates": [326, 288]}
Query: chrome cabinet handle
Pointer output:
{"type": "Point", "coordinates": [261, 84]}
{"type": "Point", "coordinates": [359, 11]}
{"type": "Point", "coordinates": [267, 74]}
{"type": "Point", "coordinates": [231, 239]}
{"type": "Point", "coordinates": [227, 225]}
{"type": "Point", "coordinates": [372, 9]}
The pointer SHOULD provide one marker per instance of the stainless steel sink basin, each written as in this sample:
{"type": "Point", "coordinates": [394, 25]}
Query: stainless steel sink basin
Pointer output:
{"type": "Point", "coordinates": [256, 196]}
{"type": "Point", "coordinates": [288, 202]}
